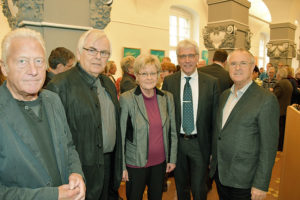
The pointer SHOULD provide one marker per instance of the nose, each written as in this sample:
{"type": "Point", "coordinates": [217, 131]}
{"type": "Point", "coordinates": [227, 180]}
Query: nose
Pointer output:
{"type": "Point", "coordinates": [32, 69]}
{"type": "Point", "coordinates": [98, 56]}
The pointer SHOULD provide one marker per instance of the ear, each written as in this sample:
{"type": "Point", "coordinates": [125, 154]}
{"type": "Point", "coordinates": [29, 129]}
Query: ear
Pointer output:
{"type": "Point", "coordinates": [3, 68]}
{"type": "Point", "coordinates": [78, 55]}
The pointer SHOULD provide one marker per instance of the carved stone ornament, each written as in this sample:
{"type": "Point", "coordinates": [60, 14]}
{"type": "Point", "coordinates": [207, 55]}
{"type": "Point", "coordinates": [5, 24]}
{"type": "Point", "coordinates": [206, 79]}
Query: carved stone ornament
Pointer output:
{"type": "Point", "coordinates": [298, 54]}
{"type": "Point", "coordinates": [280, 50]}
{"type": "Point", "coordinates": [248, 40]}
{"type": "Point", "coordinates": [100, 13]}
{"type": "Point", "coordinates": [219, 37]}
{"type": "Point", "coordinates": [19, 10]}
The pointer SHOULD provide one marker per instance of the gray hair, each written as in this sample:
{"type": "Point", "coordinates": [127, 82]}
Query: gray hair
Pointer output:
{"type": "Point", "coordinates": [184, 44]}
{"type": "Point", "coordinates": [19, 33]}
{"type": "Point", "coordinates": [252, 59]}
{"type": "Point", "coordinates": [126, 62]}
{"type": "Point", "coordinates": [97, 34]}
{"type": "Point", "coordinates": [145, 59]}
{"type": "Point", "coordinates": [282, 72]}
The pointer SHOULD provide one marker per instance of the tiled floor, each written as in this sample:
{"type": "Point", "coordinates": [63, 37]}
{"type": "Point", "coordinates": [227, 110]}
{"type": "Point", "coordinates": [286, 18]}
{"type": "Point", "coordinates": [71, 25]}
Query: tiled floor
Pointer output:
{"type": "Point", "coordinates": [212, 195]}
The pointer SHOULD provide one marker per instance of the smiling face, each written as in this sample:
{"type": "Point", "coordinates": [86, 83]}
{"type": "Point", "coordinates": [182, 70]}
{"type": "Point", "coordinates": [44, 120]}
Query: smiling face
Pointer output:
{"type": "Point", "coordinates": [94, 65]}
{"type": "Point", "coordinates": [240, 68]}
{"type": "Point", "coordinates": [187, 59]}
{"type": "Point", "coordinates": [147, 77]}
{"type": "Point", "coordinates": [26, 68]}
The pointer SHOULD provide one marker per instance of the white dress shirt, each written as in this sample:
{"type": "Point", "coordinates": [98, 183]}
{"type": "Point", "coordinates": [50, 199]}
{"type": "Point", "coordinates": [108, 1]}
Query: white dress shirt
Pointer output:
{"type": "Point", "coordinates": [195, 94]}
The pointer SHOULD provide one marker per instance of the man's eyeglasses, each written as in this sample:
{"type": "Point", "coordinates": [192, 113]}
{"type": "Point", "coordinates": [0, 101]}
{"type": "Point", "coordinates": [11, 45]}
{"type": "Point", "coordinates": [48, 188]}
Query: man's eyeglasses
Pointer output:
{"type": "Point", "coordinates": [241, 64]}
{"type": "Point", "coordinates": [94, 52]}
{"type": "Point", "coordinates": [184, 56]}
{"type": "Point", "coordinates": [151, 74]}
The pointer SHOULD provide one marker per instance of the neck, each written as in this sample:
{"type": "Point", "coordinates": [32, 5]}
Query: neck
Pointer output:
{"type": "Point", "coordinates": [219, 63]}
{"type": "Point", "coordinates": [240, 85]}
{"type": "Point", "coordinates": [148, 92]}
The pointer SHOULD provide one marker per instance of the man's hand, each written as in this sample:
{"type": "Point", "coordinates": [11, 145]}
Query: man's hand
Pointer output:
{"type": "Point", "coordinates": [170, 167]}
{"type": "Point", "coordinates": [76, 181]}
{"type": "Point", "coordinates": [257, 194]}
{"type": "Point", "coordinates": [125, 176]}
{"type": "Point", "coordinates": [64, 192]}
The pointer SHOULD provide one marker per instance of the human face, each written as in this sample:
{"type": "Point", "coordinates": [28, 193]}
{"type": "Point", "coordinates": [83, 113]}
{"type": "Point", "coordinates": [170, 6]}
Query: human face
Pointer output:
{"type": "Point", "coordinates": [62, 68]}
{"type": "Point", "coordinates": [240, 68]}
{"type": "Point", "coordinates": [94, 64]}
{"type": "Point", "coordinates": [271, 72]}
{"type": "Point", "coordinates": [187, 59]}
{"type": "Point", "coordinates": [113, 69]}
{"type": "Point", "coordinates": [147, 78]}
{"type": "Point", "coordinates": [26, 68]}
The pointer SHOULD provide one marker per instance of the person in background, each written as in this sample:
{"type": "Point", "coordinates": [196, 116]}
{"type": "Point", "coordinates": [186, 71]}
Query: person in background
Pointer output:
{"type": "Point", "coordinates": [128, 79]}
{"type": "Point", "coordinates": [38, 158]}
{"type": "Point", "coordinates": [261, 70]}
{"type": "Point", "coordinates": [92, 109]}
{"type": "Point", "coordinates": [246, 134]}
{"type": "Point", "coordinates": [148, 132]}
{"type": "Point", "coordinates": [195, 95]}
{"type": "Point", "coordinates": [255, 75]}
{"type": "Point", "coordinates": [167, 68]}
{"type": "Point", "coordinates": [270, 82]}
{"type": "Point", "coordinates": [60, 60]}
{"type": "Point", "coordinates": [296, 92]}
{"type": "Point", "coordinates": [264, 75]}
{"type": "Point", "coordinates": [201, 63]}
{"type": "Point", "coordinates": [166, 60]}
{"type": "Point", "coordinates": [217, 69]}
{"type": "Point", "coordinates": [283, 91]}
{"type": "Point", "coordinates": [111, 70]}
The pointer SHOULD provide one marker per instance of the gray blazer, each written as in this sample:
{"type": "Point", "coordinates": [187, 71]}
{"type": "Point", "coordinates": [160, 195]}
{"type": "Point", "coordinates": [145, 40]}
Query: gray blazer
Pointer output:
{"type": "Point", "coordinates": [245, 148]}
{"type": "Point", "coordinates": [135, 127]}
{"type": "Point", "coordinates": [22, 174]}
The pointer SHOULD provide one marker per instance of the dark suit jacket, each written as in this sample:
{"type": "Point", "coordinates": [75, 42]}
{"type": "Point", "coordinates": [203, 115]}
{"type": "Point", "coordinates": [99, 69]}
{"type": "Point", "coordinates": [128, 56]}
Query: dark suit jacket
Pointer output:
{"type": "Point", "coordinates": [22, 172]}
{"type": "Point", "coordinates": [207, 104]}
{"type": "Point", "coordinates": [78, 94]}
{"type": "Point", "coordinates": [220, 73]}
{"type": "Point", "coordinates": [283, 91]}
{"type": "Point", "coordinates": [245, 148]}
{"type": "Point", "coordinates": [127, 83]}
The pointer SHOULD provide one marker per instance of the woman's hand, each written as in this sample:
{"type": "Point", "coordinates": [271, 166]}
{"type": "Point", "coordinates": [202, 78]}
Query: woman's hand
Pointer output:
{"type": "Point", "coordinates": [170, 167]}
{"type": "Point", "coordinates": [125, 175]}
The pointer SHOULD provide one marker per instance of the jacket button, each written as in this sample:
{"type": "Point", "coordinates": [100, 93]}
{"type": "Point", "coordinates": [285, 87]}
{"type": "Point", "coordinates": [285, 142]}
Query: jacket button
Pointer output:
{"type": "Point", "coordinates": [219, 138]}
{"type": "Point", "coordinates": [99, 145]}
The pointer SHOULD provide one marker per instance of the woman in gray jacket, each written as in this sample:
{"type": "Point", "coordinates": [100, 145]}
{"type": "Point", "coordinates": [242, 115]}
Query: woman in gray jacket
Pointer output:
{"type": "Point", "coordinates": [148, 132]}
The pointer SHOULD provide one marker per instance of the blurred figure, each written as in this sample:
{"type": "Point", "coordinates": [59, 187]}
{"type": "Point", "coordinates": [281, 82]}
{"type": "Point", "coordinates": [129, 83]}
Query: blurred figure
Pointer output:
{"type": "Point", "coordinates": [264, 75]}
{"type": "Point", "coordinates": [261, 70]}
{"type": "Point", "coordinates": [60, 60]}
{"type": "Point", "coordinates": [167, 69]}
{"type": "Point", "coordinates": [297, 76]}
{"type": "Point", "coordinates": [283, 91]}
{"type": "Point", "coordinates": [111, 70]}
{"type": "Point", "coordinates": [201, 63]}
{"type": "Point", "coordinates": [128, 79]}
{"type": "Point", "coordinates": [217, 69]}
{"type": "Point", "coordinates": [270, 81]}
{"type": "Point", "coordinates": [148, 132]}
{"type": "Point", "coordinates": [166, 60]}
{"type": "Point", "coordinates": [255, 76]}
{"type": "Point", "coordinates": [294, 82]}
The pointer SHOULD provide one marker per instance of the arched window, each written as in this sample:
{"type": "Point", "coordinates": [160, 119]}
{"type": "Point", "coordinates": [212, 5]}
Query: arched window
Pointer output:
{"type": "Point", "coordinates": [263, 59]}
{"type": "Point", "coordinates": [181, 23]}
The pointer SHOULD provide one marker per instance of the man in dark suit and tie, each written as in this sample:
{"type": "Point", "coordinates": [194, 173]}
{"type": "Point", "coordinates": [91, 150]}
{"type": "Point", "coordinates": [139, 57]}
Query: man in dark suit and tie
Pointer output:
{"type": "Point", "coordinates": [246, 134]}
{"type": "Point", "coordinates": [217, 69]}
{"type": "Point", "coordinates": [195, 96]}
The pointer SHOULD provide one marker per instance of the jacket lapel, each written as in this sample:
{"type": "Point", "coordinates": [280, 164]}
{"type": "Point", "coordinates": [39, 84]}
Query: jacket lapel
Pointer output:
{"type": "Point", "coordinates": [139, 100]}
{"type": "Point", "coordinates": [162, 104]}
{"type": "Point", "coordinates": [177, 98]}
{"type": "Point", "coordinates": [223, 100]}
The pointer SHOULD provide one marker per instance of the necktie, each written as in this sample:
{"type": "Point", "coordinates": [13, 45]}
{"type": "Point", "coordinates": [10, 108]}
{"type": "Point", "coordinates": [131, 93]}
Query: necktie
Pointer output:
{"type": "Point", "coordinates": [188, 113]}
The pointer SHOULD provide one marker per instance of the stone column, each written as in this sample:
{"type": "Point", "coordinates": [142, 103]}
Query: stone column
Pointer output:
{"type": "Point", "coordinates": [227, 26]}
{"type": "Point", "coordinates": [60, 22]}
{"type": "Point", "coordinates": [282, 47]}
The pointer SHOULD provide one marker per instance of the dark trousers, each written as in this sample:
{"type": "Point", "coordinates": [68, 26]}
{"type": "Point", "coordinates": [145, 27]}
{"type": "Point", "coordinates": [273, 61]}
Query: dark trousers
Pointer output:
{"type": "Point", "coordinates": [107, 184]}
{"type": "Point", "coordinates": [94, 176]}
{"type": "Point", "coordinates": [190, 171]}
{"type": "Point", "coordinates": [282, 120]}
{"type": "Point", "coordinates": [153, 177]}
{"type": "Point", "coordinates": [231, 193]}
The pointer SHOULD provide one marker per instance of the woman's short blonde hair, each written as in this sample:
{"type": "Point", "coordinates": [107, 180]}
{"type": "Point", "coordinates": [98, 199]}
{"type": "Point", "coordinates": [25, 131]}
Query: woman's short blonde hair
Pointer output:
{"type": "Point", "coordinates": [145, 59]}
{"type": "Point", "coordinates": [126, 62]}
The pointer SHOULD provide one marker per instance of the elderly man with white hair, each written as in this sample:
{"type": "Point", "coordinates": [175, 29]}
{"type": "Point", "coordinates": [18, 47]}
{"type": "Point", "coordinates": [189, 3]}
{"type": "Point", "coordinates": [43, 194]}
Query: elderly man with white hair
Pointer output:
{"type": "Point", "coordinates": [92, 109]}
{"type": "Point", "coordinates": [37, 155]}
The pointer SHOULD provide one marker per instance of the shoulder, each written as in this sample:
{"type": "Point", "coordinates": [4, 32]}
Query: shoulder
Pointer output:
{"type": "Point", "coordinates": [49, 96]}
{"type": "Point", "coordinates": [206, 77]}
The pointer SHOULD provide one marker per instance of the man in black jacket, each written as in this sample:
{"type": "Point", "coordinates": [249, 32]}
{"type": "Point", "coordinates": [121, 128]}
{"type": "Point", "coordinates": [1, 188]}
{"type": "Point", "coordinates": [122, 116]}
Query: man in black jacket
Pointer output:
{"type": "Point", "coordinates": [217, 69]}
{"type": "Point", "coordinates": [92, 109]}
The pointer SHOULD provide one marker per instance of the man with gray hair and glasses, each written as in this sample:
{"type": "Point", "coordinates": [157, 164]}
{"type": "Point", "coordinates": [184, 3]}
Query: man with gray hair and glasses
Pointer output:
{"type": "Point", "coordinates": [246, 134]}
{"type": "Point", "coordinates": [37, 157]}
{"type": "Point", "coordinates": [92, 109]}
{"type": "Point", "coordinates": [195, 96]}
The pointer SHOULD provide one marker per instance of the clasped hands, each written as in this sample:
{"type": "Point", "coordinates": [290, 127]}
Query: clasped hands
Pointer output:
{"type": "Point", "coordinates": [75, 190]}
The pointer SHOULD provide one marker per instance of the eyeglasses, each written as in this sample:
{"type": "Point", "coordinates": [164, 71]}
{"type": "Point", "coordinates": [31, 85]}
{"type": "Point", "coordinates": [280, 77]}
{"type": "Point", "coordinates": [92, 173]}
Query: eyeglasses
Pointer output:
{"type": "Point", "coordinates": [145, 74]}
{"type": "Point", "coordinates": [94, 52]}
{"type": "Point", "coordinates": [184, 56]}
{"type": "Point", "coordinates": [241, 64]}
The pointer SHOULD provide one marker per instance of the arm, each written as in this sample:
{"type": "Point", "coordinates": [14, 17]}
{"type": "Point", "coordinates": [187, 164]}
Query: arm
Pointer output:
{"type": "Point", "coordinates": [277, 90]}
{"type": "Point", "coordinates": [268, 128]}
{"type": "Point", "coordinates": [127, 84]}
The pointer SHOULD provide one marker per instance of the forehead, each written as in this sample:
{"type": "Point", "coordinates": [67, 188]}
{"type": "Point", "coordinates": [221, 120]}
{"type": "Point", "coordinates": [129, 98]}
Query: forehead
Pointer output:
{"type": "Point", "coordinates": [25, 46]}
{"type": "Point", "coordinates": [96, 40]}
{"type": "Point", "coordinates": [148, 67]}
{"type": "Point", "coordinates": [188, 50]}
{"type": "Point", "coordinates": [240, 56]}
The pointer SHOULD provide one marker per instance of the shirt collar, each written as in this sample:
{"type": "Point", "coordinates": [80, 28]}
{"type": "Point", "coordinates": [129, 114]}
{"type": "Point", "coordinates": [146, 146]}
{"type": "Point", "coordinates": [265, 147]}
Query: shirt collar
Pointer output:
{"type": "Point", "coordinates": [241, 91]}
{"type": "Point", "coordinates": [193, 76]}
{"type": "Point", "coordinates": [89, 79]}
